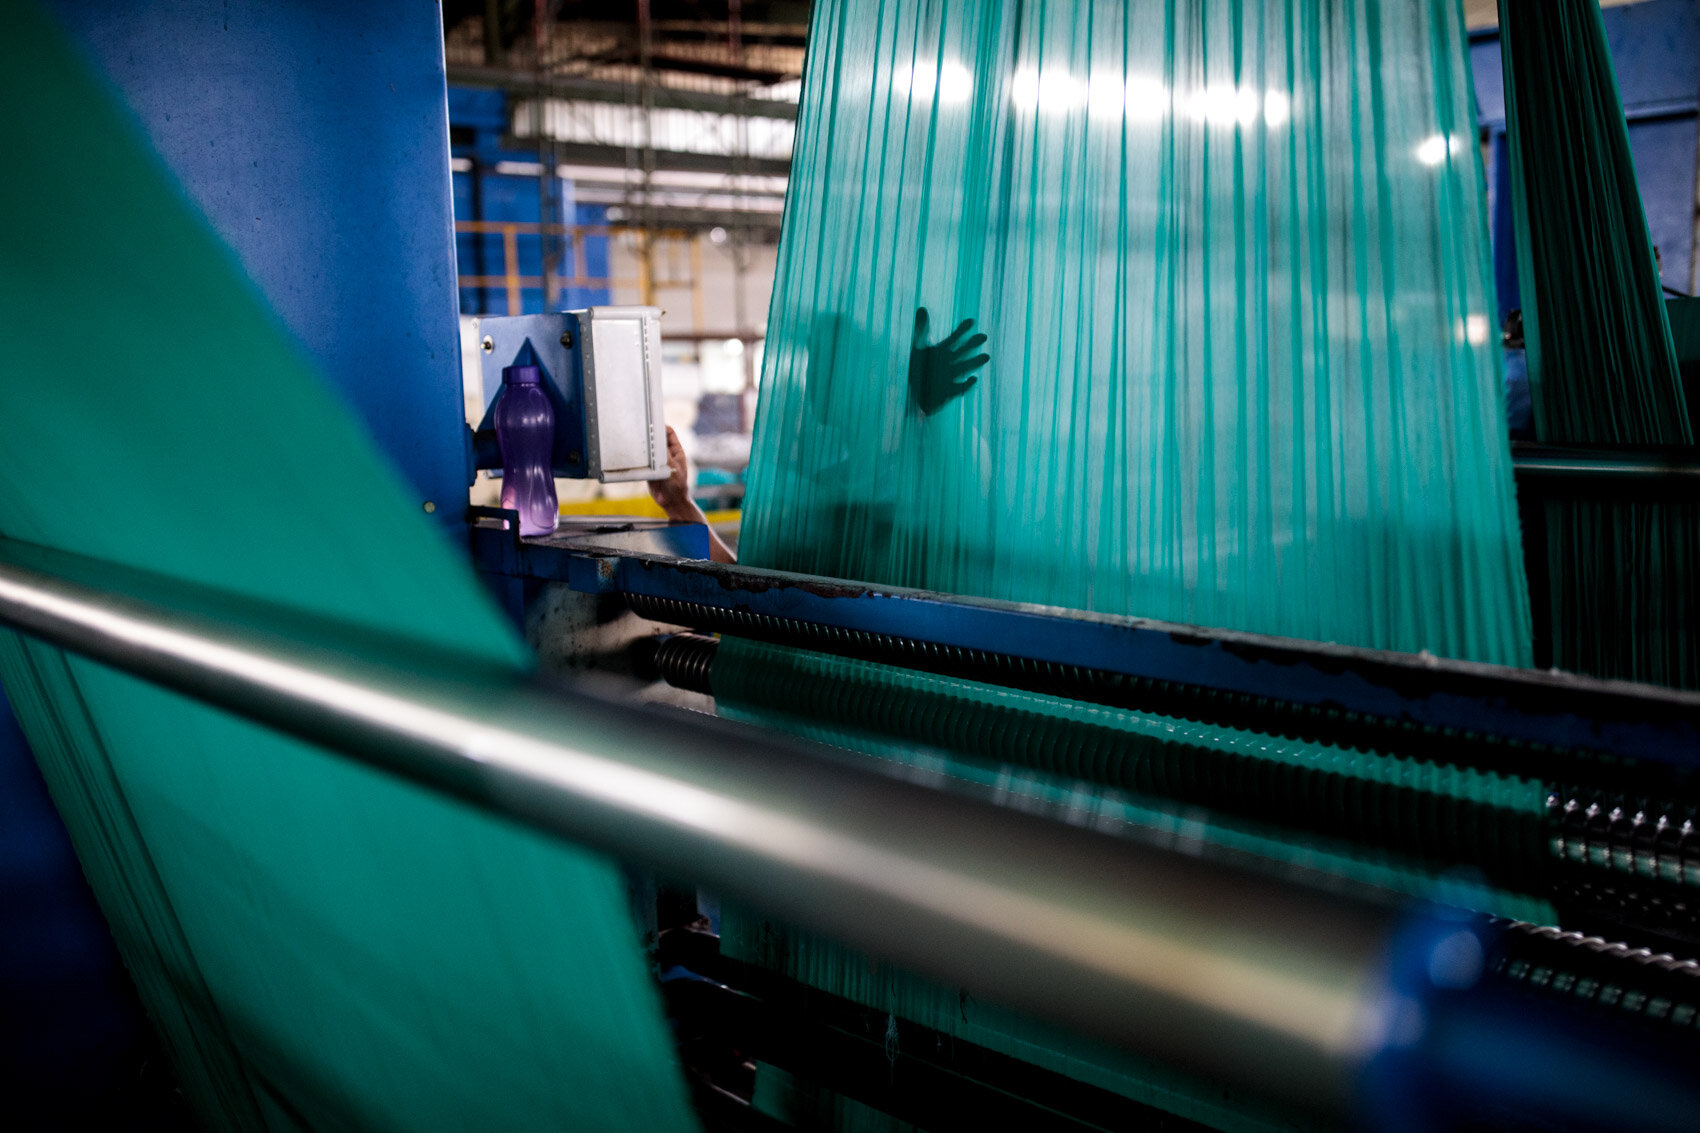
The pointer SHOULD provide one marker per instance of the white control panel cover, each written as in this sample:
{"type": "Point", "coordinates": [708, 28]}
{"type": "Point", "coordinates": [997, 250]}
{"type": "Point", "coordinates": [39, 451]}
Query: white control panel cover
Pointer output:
{"type": "Point", "coordinates": [625, 436]}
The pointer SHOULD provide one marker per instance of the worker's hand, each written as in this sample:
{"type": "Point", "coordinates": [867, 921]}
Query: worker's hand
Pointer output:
{"type": "Point", "coordinates": [673, 495]}
{"type": "Point", "coordinates": [944, 371]}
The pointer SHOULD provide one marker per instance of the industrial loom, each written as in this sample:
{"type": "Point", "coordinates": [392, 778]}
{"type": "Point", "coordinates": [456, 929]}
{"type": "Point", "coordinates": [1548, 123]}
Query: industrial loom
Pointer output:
{"type": "Point", "coordinates": [1441, 780]}
{"type": "Point", "coordinates": [992, 829]}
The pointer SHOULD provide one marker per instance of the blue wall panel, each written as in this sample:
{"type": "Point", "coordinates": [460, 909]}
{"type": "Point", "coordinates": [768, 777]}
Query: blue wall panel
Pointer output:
{"type": "Point", "coordinates": [314, 136]}
{"type": "Point", "coordinates": [1664, 152]}
{"type": "Point", "coordinates": [1656, 47]}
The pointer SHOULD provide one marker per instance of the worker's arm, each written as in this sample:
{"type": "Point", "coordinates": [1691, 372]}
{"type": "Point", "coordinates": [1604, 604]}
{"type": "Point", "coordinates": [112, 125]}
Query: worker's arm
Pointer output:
{"type": "Point", "coordinates": [673, 495]}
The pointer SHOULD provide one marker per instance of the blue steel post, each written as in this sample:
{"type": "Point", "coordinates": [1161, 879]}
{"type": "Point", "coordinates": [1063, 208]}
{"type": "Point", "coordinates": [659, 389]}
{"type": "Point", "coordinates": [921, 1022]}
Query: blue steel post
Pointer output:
{"type": "Point", "coordinates": [314, 136]}
{"type": "Point", "coordinates": [1504, 234]}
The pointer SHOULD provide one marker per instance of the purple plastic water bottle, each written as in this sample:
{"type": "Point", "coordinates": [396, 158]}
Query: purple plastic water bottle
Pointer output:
{"type": "Point", "coordinates": [525, 429]}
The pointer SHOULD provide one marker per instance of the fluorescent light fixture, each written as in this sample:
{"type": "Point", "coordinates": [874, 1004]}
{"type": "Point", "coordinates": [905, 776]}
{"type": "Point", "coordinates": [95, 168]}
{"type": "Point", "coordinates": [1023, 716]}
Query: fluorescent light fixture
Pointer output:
{"type": "Point", "coordinates": [1147, 99]}
{"type": "Point", "coordinates": [952, 83]}
{"type": "Point", "coordinates": [1105, 95]}
{"type": "Point", "coordinates": [670, 198]}
{"type": "Point", "coordinates": [1059, 90]}
{"type": "Point", "coordinates": [955, 84]}
{"type": "Point", "coordinates": [1436, 148]}
{"type": "Point", "coordinates": [674, 178]}
{"type": "Point", "coordinates": [1224, 104]}
{"type": "Point", "coordinates": [1024, 89]}
{"type": "Point", "coordinates": [1052, 91]}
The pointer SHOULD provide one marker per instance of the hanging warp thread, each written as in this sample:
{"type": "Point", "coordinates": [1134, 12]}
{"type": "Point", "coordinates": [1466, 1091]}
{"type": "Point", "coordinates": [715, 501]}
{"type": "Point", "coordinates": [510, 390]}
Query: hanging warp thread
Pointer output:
{"type": "Point", "coordinates": [320, 946]}
{"type": "Point", "coordinates": [1603, 371]}
{"type": "Point", "coordinates": [1229, 260]}
{"type": "Point", "coordinates": [1684, 317]}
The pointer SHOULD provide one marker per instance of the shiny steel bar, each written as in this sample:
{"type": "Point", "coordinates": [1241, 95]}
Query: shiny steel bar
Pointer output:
{"type": "Point", "coordinates": [1257, 981]}
{"type": "Point", "coordinates": [1669, 467]}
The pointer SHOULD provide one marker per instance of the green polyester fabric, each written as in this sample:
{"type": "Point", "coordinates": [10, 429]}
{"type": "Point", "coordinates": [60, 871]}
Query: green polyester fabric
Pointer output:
{"type": "Point", "coordinates": [321, 947]}
{"type": "Point", "coordinates": [1602, 366]}
{"type": "Point", "coordinates": [1231, 263]}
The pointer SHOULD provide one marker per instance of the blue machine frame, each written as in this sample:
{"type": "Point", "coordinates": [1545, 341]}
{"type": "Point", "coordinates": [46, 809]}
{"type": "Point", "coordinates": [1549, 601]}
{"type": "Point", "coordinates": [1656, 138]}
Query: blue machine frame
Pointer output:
{"type": "Point", "coordinates": [1546, 716]}
{"type": "Point", "coordinates": [314, 136]}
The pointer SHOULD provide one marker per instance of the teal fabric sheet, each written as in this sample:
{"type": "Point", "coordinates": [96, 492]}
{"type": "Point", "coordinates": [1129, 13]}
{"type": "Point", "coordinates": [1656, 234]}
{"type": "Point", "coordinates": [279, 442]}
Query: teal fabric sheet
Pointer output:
{"type": "Point", "coordinates": [320, 947]}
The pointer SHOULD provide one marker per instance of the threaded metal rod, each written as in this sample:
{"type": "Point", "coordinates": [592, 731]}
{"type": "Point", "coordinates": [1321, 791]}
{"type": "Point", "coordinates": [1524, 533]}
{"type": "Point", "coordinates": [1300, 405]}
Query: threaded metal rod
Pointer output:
{"type": "Point", "coordinates": [686, 661]}
{"type": "Point", "coordinates": [1287, 720]}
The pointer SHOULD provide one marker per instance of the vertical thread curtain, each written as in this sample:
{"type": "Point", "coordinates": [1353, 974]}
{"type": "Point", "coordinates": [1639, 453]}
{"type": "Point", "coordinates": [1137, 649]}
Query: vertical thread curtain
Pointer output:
{"type": "Point", "coordinates": [1603, 370]}
{"type": "Point", "coordinates": [1230, 260]}
{"type": "Point", "coordinates": [1601, 363]}
{"type": "Point", "coordinates": [1230, 263]}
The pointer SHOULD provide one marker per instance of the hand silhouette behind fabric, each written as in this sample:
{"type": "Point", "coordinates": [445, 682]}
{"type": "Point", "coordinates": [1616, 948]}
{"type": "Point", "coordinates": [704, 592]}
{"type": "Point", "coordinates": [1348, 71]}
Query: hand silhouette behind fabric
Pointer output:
{"type": "Point", "coordinates": [944, 371]}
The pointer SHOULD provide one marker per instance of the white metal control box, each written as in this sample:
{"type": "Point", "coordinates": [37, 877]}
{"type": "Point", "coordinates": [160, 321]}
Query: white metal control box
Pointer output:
{"type": "Point", "coordinates": [602, 371]}
{"type": "Point", "coordinates": [619, 350]}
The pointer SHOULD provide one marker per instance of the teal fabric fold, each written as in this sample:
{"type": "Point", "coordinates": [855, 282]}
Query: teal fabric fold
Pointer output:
{"type": "Point", "coordinates": [320, 946]}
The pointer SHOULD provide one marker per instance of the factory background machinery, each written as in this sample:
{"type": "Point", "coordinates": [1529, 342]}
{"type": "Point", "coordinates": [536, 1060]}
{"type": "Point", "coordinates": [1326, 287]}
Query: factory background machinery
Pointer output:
{"type": "Point", "coordinates": [345, 144]}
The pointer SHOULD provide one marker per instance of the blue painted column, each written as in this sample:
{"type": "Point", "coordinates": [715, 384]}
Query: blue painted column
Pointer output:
{"type": "Point", "coordinates": [1503, 225]}
{"type": "Point", "coordinates": [314, 136]}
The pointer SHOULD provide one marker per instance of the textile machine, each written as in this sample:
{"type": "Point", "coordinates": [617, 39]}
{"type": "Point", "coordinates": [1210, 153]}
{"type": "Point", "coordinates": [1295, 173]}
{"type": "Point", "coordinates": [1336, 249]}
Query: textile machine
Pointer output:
{"type": "Point", "coordinates": [1612, 848]}
{"type": "Point", "coordinates": [1104, 872]}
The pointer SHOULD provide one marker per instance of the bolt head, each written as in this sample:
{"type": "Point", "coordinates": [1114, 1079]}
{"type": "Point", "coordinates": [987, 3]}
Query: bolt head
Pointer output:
{"type": "Point", "coordinates": [489, 345]}
{"type": "Point", "coordinates": [567, 339]}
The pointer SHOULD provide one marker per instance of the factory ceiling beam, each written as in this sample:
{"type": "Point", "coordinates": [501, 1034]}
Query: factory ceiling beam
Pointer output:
{"type": "Point", "coordinates": [766, 35]}
{"type": "Point", "coordinates": [596, 90]}
{"type": "Point", "coordinates": [751, 12]}
{"type": "Point", "coordinates": [619, 157]}
{"type": "Point", "coordinates": [718, 68]}
{"type": "Point", "coordinates": [762, 226]}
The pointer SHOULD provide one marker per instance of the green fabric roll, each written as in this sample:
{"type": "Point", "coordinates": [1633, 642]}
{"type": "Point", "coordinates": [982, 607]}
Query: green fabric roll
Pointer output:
{"type": "Point", "coordinates": [321, 947]}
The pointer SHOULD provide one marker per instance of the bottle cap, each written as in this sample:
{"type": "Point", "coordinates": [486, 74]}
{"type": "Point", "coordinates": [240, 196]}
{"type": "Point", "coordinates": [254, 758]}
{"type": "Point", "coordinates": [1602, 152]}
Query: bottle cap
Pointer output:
{"type": "Point", "coordinates": [521, 375]}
